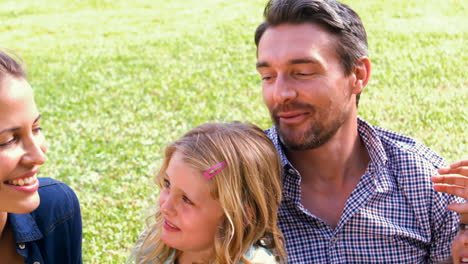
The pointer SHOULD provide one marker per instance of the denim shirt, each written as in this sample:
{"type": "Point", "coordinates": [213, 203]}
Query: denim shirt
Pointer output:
{"type": "Point", "coordinates": [52, 233]}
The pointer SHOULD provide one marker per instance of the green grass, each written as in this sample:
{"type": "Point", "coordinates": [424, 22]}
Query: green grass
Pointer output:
{"type": "Point", "coordinates": [117, 80]}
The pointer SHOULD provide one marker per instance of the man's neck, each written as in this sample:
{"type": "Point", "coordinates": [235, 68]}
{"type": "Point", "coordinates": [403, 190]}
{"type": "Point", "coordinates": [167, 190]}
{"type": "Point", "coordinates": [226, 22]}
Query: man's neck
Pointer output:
{"type": "Point", "coordinates": [332, 163]}
{"type": "Point", "coordinates": [330, 173]}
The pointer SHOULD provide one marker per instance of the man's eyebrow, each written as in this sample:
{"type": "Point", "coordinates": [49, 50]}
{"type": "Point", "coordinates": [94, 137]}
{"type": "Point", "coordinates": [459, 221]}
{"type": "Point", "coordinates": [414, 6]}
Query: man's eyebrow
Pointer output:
{"type": "Point", "coordinates": [18, 128]}
{"type": "Point", "coordinates": [264, 64]}
{"type": "Point", "coordinates": [304, 61]}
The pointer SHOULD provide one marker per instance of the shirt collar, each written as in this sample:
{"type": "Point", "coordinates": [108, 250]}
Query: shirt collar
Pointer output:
{"type": "Point", "coordinates": [24, 227]}
{"type": "Point", "coordinates": [372, 142]}
{"type": "Point", "coordinates": [274, 137]}
{"type": "Point", "coordinates": [367, 133]}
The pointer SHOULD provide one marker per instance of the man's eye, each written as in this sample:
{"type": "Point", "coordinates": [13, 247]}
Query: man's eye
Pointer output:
{"type": "Point", "coordinates": [303, 74]}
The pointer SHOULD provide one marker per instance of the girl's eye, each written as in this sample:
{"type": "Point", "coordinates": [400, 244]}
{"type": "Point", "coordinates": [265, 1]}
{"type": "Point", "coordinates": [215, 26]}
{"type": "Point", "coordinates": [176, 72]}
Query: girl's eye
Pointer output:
{"type": "Point", "coordinates": [166, 184]}
{"type": "Point", "coordinates": [187, 200]}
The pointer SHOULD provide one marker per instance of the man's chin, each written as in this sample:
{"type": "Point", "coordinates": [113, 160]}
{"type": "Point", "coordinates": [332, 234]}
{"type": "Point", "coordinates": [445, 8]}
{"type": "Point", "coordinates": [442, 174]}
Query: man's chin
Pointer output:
{"type": "Point", "coordinates": [291, 139]}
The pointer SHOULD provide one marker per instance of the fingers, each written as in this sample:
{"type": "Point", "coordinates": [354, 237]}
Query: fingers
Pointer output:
{"type": "Point", "coordinates": [455, 179]}
{"type": "Point", "coordinates": [459, 164]}
{"type": "Point", "coordinates": [450, 179]}
{"type": "Point", "coordinates": [452, 189]}
{"type": "Point", "coordinates": [456, 170]}
{"type": "Point", "coordinates": [461, 208]}
{"type": "Point", "coordinates": [459, 167]}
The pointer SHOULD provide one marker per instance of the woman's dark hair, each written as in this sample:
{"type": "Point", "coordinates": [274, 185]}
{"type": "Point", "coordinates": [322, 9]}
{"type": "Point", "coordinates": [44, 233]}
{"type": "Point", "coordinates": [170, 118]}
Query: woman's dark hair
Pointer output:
{"type": "Point", "coordinates": [10, 64]}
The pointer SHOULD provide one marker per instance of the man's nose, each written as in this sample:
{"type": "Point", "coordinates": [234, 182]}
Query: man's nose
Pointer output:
{"type": "Point", "coordinates": [284, 91]}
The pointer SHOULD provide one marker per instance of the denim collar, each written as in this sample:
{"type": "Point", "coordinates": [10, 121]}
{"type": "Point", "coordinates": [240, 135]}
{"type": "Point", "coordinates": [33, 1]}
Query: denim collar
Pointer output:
{"type": "Point", "coordinates": [24, 227]}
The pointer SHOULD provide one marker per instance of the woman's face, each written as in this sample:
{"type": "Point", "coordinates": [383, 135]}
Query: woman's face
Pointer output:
{"type": "Point", "coordinates": [22, 147]}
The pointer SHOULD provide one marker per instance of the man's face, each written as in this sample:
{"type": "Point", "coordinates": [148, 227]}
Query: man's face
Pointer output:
{"type": "Point", "coordinates": [304, 86]}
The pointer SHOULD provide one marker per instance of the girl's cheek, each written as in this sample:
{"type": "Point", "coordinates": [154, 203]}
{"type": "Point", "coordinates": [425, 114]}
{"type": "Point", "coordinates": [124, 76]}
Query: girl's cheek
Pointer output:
{"type": "Point", "coordinates": [163, 197]}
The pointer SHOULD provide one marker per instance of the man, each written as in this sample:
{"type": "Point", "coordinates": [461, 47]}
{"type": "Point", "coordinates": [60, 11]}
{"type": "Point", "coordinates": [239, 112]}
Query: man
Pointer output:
{"type": "Point", "coordinates": [353, 193]}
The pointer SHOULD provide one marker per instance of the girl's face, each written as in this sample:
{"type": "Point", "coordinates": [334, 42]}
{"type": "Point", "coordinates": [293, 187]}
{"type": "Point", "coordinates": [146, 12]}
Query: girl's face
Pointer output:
{"type": "Point", "coordinates": [191, 215]}
{"type": "Point", "coordinates": [22, 147]}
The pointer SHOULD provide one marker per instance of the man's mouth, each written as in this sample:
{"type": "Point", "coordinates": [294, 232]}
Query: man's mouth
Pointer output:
{"type": "Point", "coordinates": [292, 117]}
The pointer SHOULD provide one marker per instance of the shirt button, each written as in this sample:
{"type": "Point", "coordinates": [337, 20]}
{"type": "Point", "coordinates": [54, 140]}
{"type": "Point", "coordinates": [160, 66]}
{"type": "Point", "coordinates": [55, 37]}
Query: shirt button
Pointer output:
{"type": "Point", "coordinates": [291, 171]}
{"type": "Point", "coordinates": [21, 246]}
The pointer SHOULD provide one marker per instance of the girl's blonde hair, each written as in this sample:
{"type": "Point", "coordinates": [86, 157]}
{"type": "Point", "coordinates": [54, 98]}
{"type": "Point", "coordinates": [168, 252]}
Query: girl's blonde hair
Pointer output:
{"type": "Point", "coordinates": [248, 189]}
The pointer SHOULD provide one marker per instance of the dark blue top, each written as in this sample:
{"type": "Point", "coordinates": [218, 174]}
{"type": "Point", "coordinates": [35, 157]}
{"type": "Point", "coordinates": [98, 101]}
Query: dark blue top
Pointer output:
{"type": "Point", "coordinates": [52, 233]}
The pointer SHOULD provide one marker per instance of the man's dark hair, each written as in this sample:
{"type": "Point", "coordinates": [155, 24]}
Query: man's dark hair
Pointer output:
{"type": "Point", "coordinates": [337, 18]}
{"type": "Point", "coordinates": [10, 65]}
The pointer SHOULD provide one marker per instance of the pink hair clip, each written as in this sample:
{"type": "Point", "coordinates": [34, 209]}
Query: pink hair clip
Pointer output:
{"type": "Point", "coordinates": [215, 169]}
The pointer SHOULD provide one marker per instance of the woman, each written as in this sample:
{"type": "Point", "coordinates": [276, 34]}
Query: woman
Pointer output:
{"type": "Point", "coordinates": [454, 180]}
{"type": "Point", "coordinates": [40, 219]}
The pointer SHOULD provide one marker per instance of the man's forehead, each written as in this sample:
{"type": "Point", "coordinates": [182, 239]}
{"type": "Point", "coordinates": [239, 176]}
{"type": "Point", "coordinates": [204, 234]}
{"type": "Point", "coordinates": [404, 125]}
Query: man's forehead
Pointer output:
{"type": "Point", "coordinates": [295, 42]}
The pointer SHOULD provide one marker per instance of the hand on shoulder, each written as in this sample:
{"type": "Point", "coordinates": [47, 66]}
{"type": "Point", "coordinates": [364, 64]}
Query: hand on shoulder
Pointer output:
{"type": "Point", "coordinates": [454, 180]}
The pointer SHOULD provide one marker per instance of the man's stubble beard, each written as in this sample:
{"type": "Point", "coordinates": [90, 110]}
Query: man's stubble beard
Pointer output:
{"type": "Point", "coordinates": [317, 134]}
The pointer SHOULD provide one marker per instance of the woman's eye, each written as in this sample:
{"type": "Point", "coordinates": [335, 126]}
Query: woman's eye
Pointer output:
{"type": "Point", "coordinates": [9, 142]}
{"type": "Point", "coordinates": [37, 130]}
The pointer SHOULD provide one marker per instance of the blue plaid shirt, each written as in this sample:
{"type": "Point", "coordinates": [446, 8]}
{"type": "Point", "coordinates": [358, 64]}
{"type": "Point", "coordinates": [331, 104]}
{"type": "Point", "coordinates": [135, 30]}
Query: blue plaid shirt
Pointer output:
{"type": "Point", "coordinates": [393, 215]}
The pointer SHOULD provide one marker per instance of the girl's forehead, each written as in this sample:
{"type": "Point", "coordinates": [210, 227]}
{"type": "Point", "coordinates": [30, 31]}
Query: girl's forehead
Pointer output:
{"type": "Point", "coordinates": [186, 179]}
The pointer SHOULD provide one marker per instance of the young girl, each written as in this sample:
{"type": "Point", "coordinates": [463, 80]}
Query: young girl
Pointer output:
{"type": "Point", "coordinates": [40, 219]}
{"type": "Point", "coordinates": [220, 188]}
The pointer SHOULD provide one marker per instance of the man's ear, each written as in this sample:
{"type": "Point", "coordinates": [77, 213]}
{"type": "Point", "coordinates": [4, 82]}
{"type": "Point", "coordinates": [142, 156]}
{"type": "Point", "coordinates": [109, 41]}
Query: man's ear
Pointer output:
{"type": "Point", "coordinates": [362, 72]}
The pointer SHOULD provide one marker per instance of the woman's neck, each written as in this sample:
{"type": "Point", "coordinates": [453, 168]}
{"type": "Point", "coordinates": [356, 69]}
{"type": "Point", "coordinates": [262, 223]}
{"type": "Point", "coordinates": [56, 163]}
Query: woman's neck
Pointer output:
{"type": "Point", "coordinates": [7, 242]}
{"type": "Point", "coordinates": [3, 220]}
